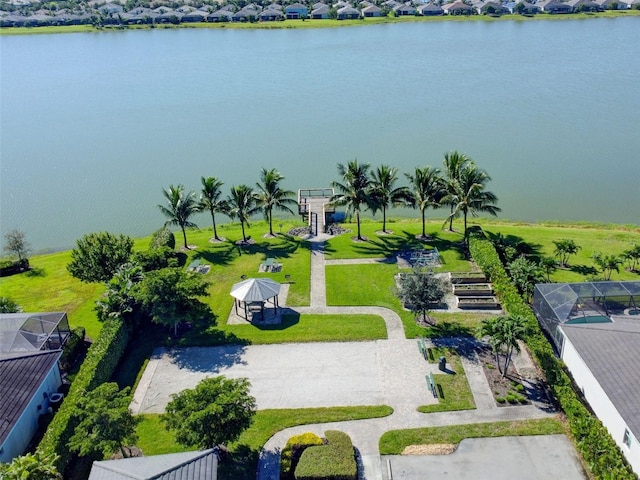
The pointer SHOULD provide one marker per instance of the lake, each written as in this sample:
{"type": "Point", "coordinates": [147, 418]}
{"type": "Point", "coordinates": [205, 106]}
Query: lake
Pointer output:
{"type": "Point", "coordinates": [94, 125]}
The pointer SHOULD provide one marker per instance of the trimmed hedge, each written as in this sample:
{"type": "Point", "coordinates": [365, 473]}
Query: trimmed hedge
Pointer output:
{"type": "Point", "coordinates": [293, 449]}
{"type": "Point", "coordinates": [334, 461]}
{"type": "Point", "coordinates": [102, 359]}
{"type": "Point", "coordinates": [599, 451]}
{"type": "Point", "coordinates": [72, 348]}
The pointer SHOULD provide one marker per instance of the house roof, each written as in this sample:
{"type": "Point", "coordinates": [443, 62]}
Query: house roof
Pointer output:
{"type": "Point", "coordinates": [20, 379]}
{"type": "Point", "coordinates": [611, 351]}
{"type": "Point", "coordinates": [198, 465]}
{"type": "Point", "coordinates": [371, 8]}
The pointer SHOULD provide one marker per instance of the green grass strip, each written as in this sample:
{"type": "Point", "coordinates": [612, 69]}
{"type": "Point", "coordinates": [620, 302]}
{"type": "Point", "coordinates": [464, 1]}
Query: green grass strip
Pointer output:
{"type": "Point", "coordinates": [395, 441]}
{"type": "Point", "coordinates": [454, 392]}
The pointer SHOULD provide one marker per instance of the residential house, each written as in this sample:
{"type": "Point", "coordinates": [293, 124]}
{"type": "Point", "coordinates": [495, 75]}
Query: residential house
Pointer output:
{"type": "Point", "coordinates": [197, 465]}
{"type": "Point", "coordinates": [429, 9]}
{"type": "Point", "coordinates": [554, 6]}
{"type": "Point", "coordinates": [246, 14]}
{"type": "Point", "coordinates": [196, 16]}
{"type": "Point", "coordinates": [220, 16]}
{"type": "Point", "coordinates": [296, 10]}
{"type": "Point", "coordinates": [404, 9]}
{"type": "Point", "coordinates": [371, 11]}
{"type": "Point", "coordinates": [28, 381]}
{"type": "Point", "coordinates": [172, 16]}
{"type": "Point", "coordinates": [457, 8]}
{"type": "Point", "coordinates": [270, 15]}
{"type": "Point", "coordinates": [348, 13]}
{"type": "Point", "coordinates": [491, 7]}
{"type": "Point", "coordinates": [109, 8]}
{"type": "Point", "coordinates": [584, 5]}
{"type": "Point", "coordinates": [320, 11]}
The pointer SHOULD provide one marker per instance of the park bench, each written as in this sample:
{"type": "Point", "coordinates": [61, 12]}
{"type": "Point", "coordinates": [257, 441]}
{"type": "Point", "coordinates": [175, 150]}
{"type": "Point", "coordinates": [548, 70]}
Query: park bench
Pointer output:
{"type": "Point", "coordinates": [432, 384]}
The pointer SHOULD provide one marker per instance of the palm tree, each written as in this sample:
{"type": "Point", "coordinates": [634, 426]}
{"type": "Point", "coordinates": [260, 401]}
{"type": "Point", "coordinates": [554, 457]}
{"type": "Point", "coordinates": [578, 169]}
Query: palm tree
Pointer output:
{"type": "Point", "coordinates": [210, 199]}
{"type": "Point", "coordinates": [453, 163]}
{"type": "Point", "coordinates": [470, 195]}
{"type": "Point", "coordinates": [242, 204]}
{"type": "Point", "coordinates": [427, 190]}
{"type": "Point", "coordinates": [271, 196]}
{"type": "Point", "coordinates": [504, 332]}
{"type": "Point", "coordinates": [383, 193]}
{"type": "Point", "coordinates": [353, 191]}
{"type": "Point", "coordinates": [181, 206]}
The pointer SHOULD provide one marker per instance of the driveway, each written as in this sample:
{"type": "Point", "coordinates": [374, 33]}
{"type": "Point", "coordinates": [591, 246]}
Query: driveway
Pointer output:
{"type": "Point", "coordinates": [505, 458]}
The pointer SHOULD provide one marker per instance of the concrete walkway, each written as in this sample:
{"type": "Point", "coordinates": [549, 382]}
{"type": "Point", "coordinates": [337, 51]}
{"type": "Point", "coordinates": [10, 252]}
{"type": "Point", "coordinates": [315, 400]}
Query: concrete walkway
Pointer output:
{"type": "Point", "coordinates": [366, 434]}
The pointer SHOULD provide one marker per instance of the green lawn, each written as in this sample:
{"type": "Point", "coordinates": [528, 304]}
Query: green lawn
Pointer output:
{"type": "Point", "coordinates": [155, 440]}
{"type": "Point", "coordinates": [394, 441]}
{"type": "Point", "coordinates": [613, 239]}
{"type": "Point", "coordinates": [454, 392]}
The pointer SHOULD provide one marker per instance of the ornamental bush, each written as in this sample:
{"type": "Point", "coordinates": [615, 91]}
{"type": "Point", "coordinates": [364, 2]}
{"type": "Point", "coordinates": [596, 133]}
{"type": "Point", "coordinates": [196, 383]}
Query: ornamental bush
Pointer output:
{"type": "Point", "coordinates": [293, 449]}
{"type": "Point", "coordinates": [334, 461]}
{"type": "Point", "coordinates": [101, 361]}
{"type": "Point", "coordinates": [600, 452]}
{"type": "Point", "coordinates": [163, 238]}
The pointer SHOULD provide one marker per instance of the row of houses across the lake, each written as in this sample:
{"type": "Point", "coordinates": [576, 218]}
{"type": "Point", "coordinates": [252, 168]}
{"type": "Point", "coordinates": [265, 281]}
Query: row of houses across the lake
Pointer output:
{"type": "Point", "coordinates": [115, 14]}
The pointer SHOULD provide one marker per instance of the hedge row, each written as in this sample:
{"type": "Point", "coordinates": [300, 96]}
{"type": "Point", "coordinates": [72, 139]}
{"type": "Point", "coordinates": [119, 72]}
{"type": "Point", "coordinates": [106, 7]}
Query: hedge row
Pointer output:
{"type": "Point", "coordinates": [102, 359]}
{"type": "Point", "coordinates": [601, 454]}
{"type": "Point", "coordinates": [334, 461]}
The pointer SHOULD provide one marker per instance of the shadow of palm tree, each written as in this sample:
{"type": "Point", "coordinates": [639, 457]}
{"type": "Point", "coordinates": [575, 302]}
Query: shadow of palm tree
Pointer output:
{"type": "Point", "coordinates": [221, 254]}
{"type": "Point", "coordinates": [466, 346]}
{"type": "Point", "coordinates": [583, 269]}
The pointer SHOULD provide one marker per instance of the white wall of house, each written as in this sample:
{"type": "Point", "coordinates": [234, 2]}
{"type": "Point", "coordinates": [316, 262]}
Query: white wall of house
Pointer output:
{"type": "Point", "coordinates": [600, 403]}
{"type": "Point", "coordinates": [25, 428]}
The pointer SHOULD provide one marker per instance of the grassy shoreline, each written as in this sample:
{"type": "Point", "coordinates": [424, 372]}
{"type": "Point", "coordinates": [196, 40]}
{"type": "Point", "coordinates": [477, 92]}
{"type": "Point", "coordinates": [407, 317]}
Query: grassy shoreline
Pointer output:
{"type": "Point", "coordinates": [327, 23]}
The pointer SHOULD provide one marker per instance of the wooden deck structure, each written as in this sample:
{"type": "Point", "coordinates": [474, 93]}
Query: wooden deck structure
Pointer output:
{"type": "Point", "coordinates": [314, 207]}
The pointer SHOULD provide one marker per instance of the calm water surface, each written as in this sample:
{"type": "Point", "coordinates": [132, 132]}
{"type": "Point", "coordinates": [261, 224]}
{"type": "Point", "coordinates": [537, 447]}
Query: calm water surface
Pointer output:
{"type": "Point", "coordinates": [93, 126]}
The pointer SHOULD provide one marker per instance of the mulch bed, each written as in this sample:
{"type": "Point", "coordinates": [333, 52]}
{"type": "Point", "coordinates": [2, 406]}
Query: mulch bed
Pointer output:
{"type": "Point", "coordinates": [502, 387]}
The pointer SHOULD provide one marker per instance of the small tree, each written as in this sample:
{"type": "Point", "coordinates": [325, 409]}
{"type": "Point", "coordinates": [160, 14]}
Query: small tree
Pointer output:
{"type": "Point", "coordinates": [98, 256]}
{"type": "Point", "coordinates": [270, 195]}
{"type": "Point", "coordinates": [420, 291]}
{"type": "Point", "coordinates": [353, 191]}
{"type": "Point", "coordinates": [170, 296]}
{"type": "Point", "coordinates": [607, 263]}
{"type": "Point", "coordinates": [7, 305]}
{"type": "Point", "coordinates": [211, 200]}
{"type": "Point", "coordinates": [163, 238]}
{"type": "Point", "coordinates": [384, 193]}
{"type": "Point", "coordinates": [16, 243]}
{"type": "Point", "coordinates": [633, 257]}
{"type": "Point", "coordinates": [525, 274]}
{"type": "Point", "coordinates": [118, 300]}
{"type": "Point", "coordinates": [548, 264]}
{"type": "Point", "coordinates": [564, 249]}
{"type": "Point", "coordinates": [216, 412]}
{"type": "Point", "coordinates": [504, 332]}
{"type": "Point", "coordinates": [106, 424]}
{"type": "Point", "coordinates": [242, 204]}
{"type": "Point", "coordinates": [31, 466]}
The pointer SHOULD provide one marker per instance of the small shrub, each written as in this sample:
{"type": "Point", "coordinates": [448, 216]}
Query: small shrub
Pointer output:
{"type": "Point", "coordinates": [520, 388]}
{"type": "Point", "coordinates": [163, 238]}
{"type": "Point", "coordinates": [293, 450]}
{"type": "Point", "coordinates": [334, 461]}
{"type": "Point", "coordinates": [501, 400]}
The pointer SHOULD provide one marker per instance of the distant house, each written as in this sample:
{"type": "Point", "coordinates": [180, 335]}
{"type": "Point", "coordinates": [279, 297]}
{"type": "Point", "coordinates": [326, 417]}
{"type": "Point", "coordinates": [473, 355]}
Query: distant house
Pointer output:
{"type": "Point", "coordinates": [27, 383]}
{"type": "Point", "coordinates": [196, 16]}
{"type": "Point", "coordinates": [320, 11]}
{"type": "Point", "coordinates": [246, 14]}
{"type": "Point", "coordinates": [296, 10]}
{"type": "Point", "coordinates": [220, 16]}
{"type": "Point", "coordinates": [612, 4]}
{"type": "Point", "coordinates": [198, 465]}
{"type": "Point", "coordinates": [270, 15]}
{"type": "Point", "coordinates": [526, 8]}
{"type": "Point", "coordinates": [172, 16]}
{"type": "Point", "coordinates": [554, 6]}
{"type": "Point", "coordinates": [457, 8]}
{"type": "Point", "coordinates": [430, 9]}
{"type": "Point", "coordinates": [492, 8]}
{"type": "Point", "coordinates": [348, 13]}
{"type": "Point", "coordinates": [371, 11]}
{"type": "Point", "coordinates": [584, 6]}
{"type": "Point", "coordinates": [404, 9]}
{"type": "Point", "coordinates": [109, 8]}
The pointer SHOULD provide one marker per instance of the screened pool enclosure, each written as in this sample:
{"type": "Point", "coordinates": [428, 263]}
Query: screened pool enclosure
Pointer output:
{"type": "Point", "coordinates": [22, 333]}
{"type": "Point", "coordinates": [590, 302]}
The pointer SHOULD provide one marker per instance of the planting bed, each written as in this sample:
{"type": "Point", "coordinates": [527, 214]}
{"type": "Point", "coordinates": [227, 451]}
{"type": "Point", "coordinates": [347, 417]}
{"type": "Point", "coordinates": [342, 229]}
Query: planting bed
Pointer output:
{"type": "Point", "coordinates": [473, 290]}
{"type": "Point", "coordinates": [479, 302]}
{"type": "Point", "coordinates": [507, 391]}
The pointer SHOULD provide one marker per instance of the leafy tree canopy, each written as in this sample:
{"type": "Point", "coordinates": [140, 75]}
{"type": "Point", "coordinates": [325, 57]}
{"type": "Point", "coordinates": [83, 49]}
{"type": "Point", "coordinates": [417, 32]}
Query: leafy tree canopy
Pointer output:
{"type": "Point", "coordinates": [31, 466]}
{"type": "Point", "coordinates": [420, 291]}
{"type": "Point", "coordinates": [7, 305]}
{"type": "Point", "coordinates": [216, 412]}
{"type": "Point", "coordinates": [170, 296]}
{"type": "Point", "coordinates": [97, 256]}
{"type": "Point", "coordinates": [106, 424]}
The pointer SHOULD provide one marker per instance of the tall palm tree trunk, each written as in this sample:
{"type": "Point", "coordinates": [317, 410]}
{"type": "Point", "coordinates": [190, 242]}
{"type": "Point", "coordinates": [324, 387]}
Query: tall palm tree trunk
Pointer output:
{"type": "Point", "coordinates": [244, 238]}
{"type": "Point", "coordinates": [271, 222]}
{"type": "Point", "coordinates": [424, 232]}
{"type": "Point", "coordinates": [215, 231]}
{"type": "Point", "coordinates": [451, 219]}
{"type": "Point", "coordinates": [384, 219]}
{"type": "Point", "coordinates": [358, 222]}
{"type": "Point", "coordinates": [184, 234]}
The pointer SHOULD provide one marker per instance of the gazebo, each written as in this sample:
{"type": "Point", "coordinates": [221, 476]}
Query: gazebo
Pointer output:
{"type": "Point", "coordinates": [252, 294]}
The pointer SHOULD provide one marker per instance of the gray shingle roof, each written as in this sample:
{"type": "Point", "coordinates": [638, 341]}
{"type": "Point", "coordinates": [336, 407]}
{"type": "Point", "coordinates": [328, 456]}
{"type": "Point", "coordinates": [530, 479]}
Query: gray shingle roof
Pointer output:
{"type": "Point", "coordinates": [198, 465]}
{"type": "Point", "coordinates": [20, 379]}
{"type": "Point", "coordinates": [611, 351]}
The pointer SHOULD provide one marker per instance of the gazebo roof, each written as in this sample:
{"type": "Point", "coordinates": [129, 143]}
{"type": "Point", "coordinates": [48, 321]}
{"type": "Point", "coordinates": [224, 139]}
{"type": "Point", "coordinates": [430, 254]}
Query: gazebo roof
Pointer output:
{"type": "Point", "coordinates": [255, 289]}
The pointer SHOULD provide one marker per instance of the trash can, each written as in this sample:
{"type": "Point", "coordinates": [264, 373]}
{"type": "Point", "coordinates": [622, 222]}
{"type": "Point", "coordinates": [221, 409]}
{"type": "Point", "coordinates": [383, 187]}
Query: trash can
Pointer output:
{"type": "Point", "coordinates": [442, 363]}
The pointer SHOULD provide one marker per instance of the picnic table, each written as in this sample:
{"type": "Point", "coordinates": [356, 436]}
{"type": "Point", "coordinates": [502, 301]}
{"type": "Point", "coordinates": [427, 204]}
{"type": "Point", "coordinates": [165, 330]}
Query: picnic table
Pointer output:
{"type": "Point", "coordinates": [193, 265]}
